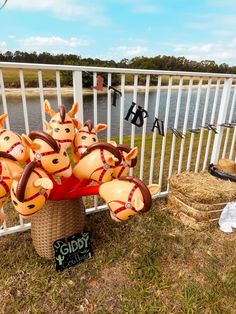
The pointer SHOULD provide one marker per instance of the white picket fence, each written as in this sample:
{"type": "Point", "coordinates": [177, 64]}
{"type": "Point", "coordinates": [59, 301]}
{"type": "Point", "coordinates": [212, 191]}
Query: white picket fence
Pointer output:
{"type": "Point", "coordinates": [189, 100]}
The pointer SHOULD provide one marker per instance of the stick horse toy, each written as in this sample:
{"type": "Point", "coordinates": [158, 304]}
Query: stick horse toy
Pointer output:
{"type": "Point", "coordinates": [86, 135]}
{"type": "Point", "coordinates": [49, 154]}
{"type": "Point", "coordinates": [61, 126]}
{"type": "Point", "coordinates": [7, 163]}
{"type": "Point", "coordinates": [127, 196]}
{"type": "Point", "coordinates": [30, 190]}
{"type": "Point", "coordinates": [11, 142]}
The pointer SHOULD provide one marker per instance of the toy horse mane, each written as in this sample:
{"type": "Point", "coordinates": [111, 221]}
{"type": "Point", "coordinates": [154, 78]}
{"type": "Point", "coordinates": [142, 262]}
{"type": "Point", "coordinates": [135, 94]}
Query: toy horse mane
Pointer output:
{"type": "Point", "coordinates": [89, 125]}
{"type": "Point", "coordinates": [112, 149]}
{"type": "Point", "coordinates": [144, 190]}
{"type": "Point", "coordinates": [46, 138]}
{"type": "Point", "coordinates": [6, 155]}
{"type": "Point", "coordinates": [127, 149]}
{"type": "Point", "coordinates": [62, 113]}
{"type": "Point", "coordinates": [21, 186]}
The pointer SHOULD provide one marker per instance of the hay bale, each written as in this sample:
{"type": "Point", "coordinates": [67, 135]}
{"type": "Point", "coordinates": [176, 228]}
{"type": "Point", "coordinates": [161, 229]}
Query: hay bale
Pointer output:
{"type": "Point", "coordinates": [191, 222]}
{"type": "Point", "coordinates": [178, 205]}
{"type": "Point", "coordinates": [197, 199]}
{"type": "Point", "coordinates": [203, 188]}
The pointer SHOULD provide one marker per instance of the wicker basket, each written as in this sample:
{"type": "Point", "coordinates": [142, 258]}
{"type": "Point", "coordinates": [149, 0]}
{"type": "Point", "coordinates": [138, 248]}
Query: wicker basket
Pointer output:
{"type": "Point", "coordinates": [57, 219]}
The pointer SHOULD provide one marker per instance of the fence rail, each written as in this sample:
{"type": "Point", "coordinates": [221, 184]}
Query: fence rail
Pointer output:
{"type": "Point", "coordinates": [196, 111]}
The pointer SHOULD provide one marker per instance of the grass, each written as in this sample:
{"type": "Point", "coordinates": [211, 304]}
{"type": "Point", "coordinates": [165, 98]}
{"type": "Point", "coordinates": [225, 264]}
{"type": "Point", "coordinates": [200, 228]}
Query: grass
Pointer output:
{"type": "Point", "coordinates": [11, 78]}
{"type": "Point", "coordinates": [149, 264]}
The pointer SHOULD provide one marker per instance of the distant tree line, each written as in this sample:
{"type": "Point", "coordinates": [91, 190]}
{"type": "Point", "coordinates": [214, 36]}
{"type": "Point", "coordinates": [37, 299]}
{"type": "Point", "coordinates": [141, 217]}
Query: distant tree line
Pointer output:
{"type": "Point", "coordinates": [160, 62]}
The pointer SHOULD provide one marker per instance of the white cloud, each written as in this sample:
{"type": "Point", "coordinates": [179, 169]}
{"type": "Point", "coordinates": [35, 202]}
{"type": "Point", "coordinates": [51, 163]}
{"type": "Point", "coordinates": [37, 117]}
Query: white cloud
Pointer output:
{"type": "Point", "coordinates": [52, 44]}
{"type": "Point", "coordinates": [221, 52]}
{"type": "Point", "coordinates": [128, 52]}
{"type": "Point", "coordinates": [66, 9]}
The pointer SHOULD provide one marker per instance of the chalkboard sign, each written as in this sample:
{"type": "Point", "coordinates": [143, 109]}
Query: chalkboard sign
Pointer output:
{"type": "Point", "coordinates": [72, 250]}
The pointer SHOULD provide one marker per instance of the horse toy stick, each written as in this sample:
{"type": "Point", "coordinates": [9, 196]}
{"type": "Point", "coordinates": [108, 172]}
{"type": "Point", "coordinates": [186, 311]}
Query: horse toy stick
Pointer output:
{"type": "Point", "coordinates": [85, 136]}
{"type": "Point", "coordinates": [11, 142]}
{"type": "Point", "coordinates": [61, 126]}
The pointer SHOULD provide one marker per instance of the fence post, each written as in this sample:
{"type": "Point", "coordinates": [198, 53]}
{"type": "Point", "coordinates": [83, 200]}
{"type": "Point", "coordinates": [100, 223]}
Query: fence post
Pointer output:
{"type": "Point", "coordinates": [78, 94]}
{"type": "Point", "coordinates": [221, 119]}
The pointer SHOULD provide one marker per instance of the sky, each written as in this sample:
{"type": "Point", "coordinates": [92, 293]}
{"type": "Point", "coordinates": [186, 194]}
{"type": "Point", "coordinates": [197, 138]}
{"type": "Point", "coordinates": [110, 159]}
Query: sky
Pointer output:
{"type": "Point", "coordinates": [117, 29]}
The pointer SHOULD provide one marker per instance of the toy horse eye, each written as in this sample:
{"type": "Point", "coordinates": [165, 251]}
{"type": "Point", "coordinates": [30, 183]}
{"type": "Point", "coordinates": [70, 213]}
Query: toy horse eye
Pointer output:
{"type": "Point", "coordinates": [84, 137]}
{"type": "Point", "coordinates": [56, 129]}
{"type": "Point", "coordinates": [94, 139]}
{"type": "Point", "coordinates": [55, 161]}
{"type": "Point", "coordinates": [65, 154]}
{"type": "Point", "coordinates": [15, 203]}
{"type": "Point", "coordinates": [67, 130]}
{"type": "Point", "coordinates": [31, 206]}
{"type": "Point", "coordinates": [6, 138]}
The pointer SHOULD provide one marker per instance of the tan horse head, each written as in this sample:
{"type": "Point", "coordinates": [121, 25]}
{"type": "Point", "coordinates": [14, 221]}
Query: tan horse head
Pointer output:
{"type": "Point", "coordinates": [97, 163]}
{"type": "Point", "coordinates": [48, 153]}
{"type": "Point", "coordinates": [11, 142]}
{"type": "Point", "coordinates": [8, 163]}
{"type": "Point", "coordinates": [30, 190]}
{"type": "Point", "coordinates": [127, 196]}
{"type": "Point", "coordinates": [61, 126]}
{"type": "Point", "coordinates": [129, 160]}
{"type": "Point", "coordinates": [85, 136]}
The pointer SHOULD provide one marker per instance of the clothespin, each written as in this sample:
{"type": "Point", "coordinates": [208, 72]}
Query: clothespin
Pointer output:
{"type": "Point", "coordinates": [197, 130]}
{"type": "Point", "coordinates": [100, 82]}
{"type": "Point", "coordinates": [177, 133]}
{"type": "Point", "coordinates": [211, 127]}
{"type": "Point", "coordinates": [227, 125]}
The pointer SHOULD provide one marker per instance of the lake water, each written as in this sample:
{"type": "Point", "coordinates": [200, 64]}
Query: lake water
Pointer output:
{"type": "Point", "coordinates": [16, 117]}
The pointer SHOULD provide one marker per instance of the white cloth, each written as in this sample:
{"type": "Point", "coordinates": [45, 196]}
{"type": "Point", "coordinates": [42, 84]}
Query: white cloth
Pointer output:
{"type": "Point", "coordinates": [227, 219]}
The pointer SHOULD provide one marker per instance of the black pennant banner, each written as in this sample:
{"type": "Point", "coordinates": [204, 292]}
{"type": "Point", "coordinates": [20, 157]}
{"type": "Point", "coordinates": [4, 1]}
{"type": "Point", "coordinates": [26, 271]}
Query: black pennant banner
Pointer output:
{"type": "Point", "coordinates": [136, 114]}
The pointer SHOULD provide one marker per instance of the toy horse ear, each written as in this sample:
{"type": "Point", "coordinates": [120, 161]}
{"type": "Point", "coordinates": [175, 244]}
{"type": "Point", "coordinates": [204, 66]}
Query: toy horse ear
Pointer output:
{"type": "Point", "coordinates": [138, 204]}
{"type": "Point", "coordinates": [47, 127]}
{"type": "Point", "coordinates": [73, 110]}
{"type": "Point", "coordinates": [75, 157]}
{"type": "Point", "coordinates": [2, 119]}
{"type": "Point", "coordinates": [111, 159]}
{"type": "Point", "coordinates": [132, 154]}
{"type": "Point", "coordinates": [47, 108]}
{"type": "Point", "coordinates": [45, 183]}
{"type": "Point", "coordinates": [154, 188]}
{"type": "Point", "coordinates": [77, 124]}
{"type": "Point", "coordinates": [100, 127]}
{"type": "Point", "coordinates": [113, 143]}
{"type": "Point", "coordinates": [29, 143]}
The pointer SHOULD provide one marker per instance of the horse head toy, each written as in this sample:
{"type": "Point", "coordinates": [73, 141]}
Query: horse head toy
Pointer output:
{"type": "Point", "coordinates": [127, 196]}
{"type": "Point", "coordinates": [85, 136]}
{"type": "Point", "coordinates": [98, 163]}
{"type": "Point", "coordinates": [30, 190]}
{"type": "Point", "coordinates": [11, 142]}
{"type": "Point", "coordinates": [49, 154]}
{"type": "Point", "coordinates": [129, 159]}
{"type": "Point", "coordinates": [7, 163]}
{"type": "Point", "coordinates": [61, 126]}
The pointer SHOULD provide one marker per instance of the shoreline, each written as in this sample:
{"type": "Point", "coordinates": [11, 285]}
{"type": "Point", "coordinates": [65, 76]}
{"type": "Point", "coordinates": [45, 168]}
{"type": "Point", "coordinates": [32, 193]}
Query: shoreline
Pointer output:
{"type": "Point", "coordinates": [68, 91]}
